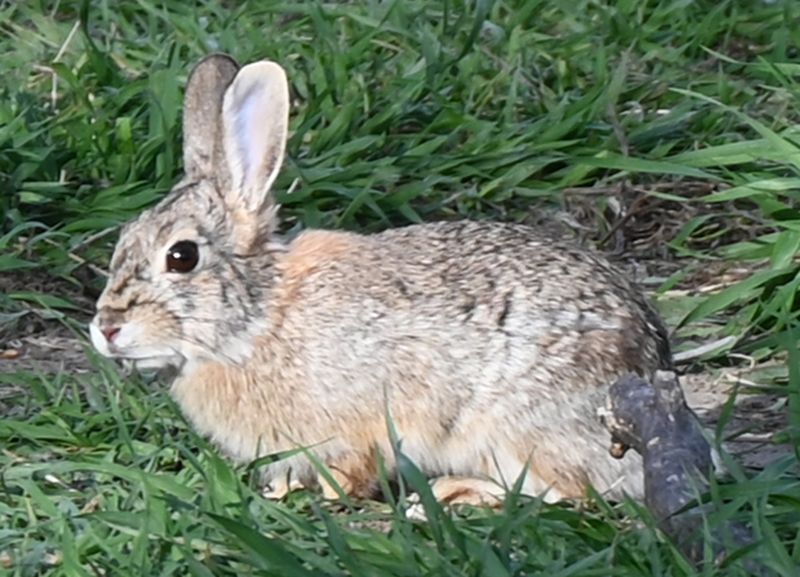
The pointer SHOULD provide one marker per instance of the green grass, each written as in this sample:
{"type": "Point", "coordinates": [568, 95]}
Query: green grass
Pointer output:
{"type": "Point", "coordinates": [404, 111]}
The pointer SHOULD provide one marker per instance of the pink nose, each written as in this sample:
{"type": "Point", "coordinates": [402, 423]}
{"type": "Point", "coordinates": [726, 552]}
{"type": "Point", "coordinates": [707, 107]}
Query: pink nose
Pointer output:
{"type": "Point", "coordinates": [110, 332]}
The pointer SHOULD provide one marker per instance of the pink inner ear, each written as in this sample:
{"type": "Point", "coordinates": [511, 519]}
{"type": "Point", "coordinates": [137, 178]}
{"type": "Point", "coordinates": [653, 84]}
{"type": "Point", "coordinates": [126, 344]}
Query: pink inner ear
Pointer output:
{"type": "Point", "coordinates": [252, 135]}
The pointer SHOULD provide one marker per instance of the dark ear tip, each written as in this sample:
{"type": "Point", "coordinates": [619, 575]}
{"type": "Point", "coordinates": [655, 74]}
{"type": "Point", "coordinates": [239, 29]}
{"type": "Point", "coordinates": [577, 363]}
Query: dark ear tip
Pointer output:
{"type": "Point", "coordinates": [202, 107]}
{"type": "Point", "coordinates": [220, 57]}
{"type": "Point", "coordinates": [216, 61]}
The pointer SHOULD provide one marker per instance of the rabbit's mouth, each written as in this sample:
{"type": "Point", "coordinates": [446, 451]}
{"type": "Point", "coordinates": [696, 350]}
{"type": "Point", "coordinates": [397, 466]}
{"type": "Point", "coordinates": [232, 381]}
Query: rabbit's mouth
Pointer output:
{"type": "Point", "coordinates": [153, 364]}
{"type": "Point", "coordinates": [121, 344]}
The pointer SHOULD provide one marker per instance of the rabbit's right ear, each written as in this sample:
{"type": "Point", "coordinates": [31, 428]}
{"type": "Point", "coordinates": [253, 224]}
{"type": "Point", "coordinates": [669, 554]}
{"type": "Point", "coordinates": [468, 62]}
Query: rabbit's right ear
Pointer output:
{"type": "Point", "coordinates": [255, 126]}
{"type": "Point", "coordinates": [202, 111]}
{"type": "Point", "coordinates": [255, 120]}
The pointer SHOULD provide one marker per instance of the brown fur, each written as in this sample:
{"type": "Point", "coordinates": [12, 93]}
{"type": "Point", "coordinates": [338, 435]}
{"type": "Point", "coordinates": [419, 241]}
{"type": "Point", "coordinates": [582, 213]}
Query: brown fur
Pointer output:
{"type": "Point", "coordinates": [355, 474]}
{"type": "Point", "coordinates": [454, 490]}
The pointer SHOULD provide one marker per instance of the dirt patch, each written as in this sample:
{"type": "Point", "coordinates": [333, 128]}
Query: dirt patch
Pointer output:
{"type": "Point", "coordinates": [44, 355]}
{"type": "Point", "coordinates": [35, 337]}
{"type": "Point", "coordinates": [758, 414]}
{"type": "Point", "coordinates": [55, 351]}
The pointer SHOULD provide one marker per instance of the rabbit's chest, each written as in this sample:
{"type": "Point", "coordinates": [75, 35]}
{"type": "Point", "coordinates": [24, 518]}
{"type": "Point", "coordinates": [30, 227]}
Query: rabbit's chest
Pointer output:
{"type": "Point", "coordinates": [225, 404]}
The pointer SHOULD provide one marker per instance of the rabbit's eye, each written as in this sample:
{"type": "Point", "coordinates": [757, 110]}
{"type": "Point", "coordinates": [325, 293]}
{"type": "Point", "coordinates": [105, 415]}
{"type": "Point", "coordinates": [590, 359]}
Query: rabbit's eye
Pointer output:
{"type": "Point", "coordinates": [182, 256]}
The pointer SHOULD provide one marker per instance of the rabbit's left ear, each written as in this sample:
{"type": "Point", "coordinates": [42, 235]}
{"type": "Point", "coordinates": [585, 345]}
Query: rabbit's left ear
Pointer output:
{"type": "Point", "coordinates": [202, 110]}
{"type": "Point", "coordinates": [255, 120]}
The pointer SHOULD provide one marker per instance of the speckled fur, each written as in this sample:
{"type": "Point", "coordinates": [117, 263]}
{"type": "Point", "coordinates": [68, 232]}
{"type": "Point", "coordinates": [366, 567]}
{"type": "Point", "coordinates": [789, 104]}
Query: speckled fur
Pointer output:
{"type": "Point", "coordinates": [490, 345]}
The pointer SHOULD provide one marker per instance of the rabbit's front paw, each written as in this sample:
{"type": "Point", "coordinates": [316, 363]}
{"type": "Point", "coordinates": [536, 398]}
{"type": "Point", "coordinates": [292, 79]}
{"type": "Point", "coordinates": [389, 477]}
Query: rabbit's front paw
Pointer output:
{"type": "Point", "coordinates": [279, 488]}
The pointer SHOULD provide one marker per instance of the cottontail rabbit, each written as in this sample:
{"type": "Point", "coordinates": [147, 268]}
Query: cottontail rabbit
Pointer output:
{"type": "Point", "coordinates": [490, 345]}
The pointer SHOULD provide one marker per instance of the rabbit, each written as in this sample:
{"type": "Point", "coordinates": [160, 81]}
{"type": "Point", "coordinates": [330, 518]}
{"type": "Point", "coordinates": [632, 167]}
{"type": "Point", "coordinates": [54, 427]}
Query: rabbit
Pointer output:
{"type": "Point", "coordinates": [488, 346]}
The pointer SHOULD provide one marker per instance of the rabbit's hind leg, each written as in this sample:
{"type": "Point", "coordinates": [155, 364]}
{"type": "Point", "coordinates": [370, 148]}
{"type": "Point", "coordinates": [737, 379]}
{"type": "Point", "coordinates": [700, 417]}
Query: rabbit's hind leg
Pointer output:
{"type": "Point", "coordinates": [458, 490]}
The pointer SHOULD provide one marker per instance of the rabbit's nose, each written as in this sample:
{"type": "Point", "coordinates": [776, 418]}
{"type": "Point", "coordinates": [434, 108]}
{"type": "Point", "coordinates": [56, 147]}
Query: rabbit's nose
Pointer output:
{"type": "Point", "coordinates": [110, 332]}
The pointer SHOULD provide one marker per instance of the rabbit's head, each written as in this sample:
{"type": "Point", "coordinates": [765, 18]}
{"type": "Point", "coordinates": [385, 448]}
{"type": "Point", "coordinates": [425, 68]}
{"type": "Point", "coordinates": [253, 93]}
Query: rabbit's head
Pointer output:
{"type": "Point", "coordinates": [188, 277]}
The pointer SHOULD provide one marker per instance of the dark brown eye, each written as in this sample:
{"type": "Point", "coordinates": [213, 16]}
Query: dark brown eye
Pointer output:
{"type": "Point", "coordinates": [182, 256]}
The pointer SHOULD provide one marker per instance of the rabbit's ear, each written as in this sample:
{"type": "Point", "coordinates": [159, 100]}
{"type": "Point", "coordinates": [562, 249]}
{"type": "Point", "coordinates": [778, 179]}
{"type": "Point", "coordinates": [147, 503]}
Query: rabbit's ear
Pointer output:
{"type": "Point", "coordinates": [255, 120]}
{"type": "Point", "coordinates": [202, 108]}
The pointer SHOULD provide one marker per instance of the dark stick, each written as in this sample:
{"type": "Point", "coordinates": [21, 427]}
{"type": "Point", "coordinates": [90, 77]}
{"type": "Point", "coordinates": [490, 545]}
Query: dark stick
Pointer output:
{"type": "Point", "coordinates": [655, 421]}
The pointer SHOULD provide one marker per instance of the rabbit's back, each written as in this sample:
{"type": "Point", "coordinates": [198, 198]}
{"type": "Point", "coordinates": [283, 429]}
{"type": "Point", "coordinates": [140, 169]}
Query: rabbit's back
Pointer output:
{"type": "Point", "coordinates": [482, 284]}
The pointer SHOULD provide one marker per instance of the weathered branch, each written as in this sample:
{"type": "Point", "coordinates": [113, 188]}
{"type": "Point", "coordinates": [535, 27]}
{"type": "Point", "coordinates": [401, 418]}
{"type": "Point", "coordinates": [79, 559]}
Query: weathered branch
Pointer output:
{"type": "Point", "coordinates": [655, 421]}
